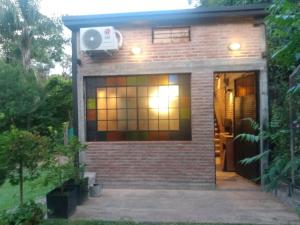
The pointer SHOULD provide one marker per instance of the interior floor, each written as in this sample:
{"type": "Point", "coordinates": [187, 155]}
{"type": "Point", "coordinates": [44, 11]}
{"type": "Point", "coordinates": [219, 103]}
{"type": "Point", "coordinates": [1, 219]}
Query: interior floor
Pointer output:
{"type": "Point", "coordinates": [231, 180]}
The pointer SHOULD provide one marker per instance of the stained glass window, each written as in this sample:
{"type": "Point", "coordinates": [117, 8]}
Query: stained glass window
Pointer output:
{"type": "Point", "coordinates": [143, 107]}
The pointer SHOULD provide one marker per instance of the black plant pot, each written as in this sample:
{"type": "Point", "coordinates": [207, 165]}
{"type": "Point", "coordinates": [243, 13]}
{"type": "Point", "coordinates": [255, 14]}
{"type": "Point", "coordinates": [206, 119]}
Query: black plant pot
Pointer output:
{"type": "Point", "coordinates": [61, 204]}
{"type": "Point", "coordinates": [81, 187]}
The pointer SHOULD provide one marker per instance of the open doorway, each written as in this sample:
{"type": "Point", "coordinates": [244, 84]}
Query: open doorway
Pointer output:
{"type": "Point", "coordinates": [235, 99]}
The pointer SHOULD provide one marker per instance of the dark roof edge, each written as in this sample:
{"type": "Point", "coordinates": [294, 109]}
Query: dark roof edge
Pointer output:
{"type": "Point", "coordinates": [255, 10]}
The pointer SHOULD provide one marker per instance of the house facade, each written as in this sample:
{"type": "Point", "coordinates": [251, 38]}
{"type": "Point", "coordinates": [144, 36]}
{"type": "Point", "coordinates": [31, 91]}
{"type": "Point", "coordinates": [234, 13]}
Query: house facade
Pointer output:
{"type": "Point", "coordinates": [147, 111]}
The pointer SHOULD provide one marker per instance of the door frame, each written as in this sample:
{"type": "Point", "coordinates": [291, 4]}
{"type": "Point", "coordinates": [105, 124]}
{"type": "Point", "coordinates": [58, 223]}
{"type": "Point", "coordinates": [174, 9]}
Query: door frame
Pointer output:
{"type": "Point", "coordinates": [262, 108]}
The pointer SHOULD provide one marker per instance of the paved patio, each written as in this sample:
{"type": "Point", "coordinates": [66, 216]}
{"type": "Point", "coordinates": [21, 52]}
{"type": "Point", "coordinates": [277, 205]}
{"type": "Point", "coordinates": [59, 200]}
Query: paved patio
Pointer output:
{"type": "Point", "coordinates": [235, 200]}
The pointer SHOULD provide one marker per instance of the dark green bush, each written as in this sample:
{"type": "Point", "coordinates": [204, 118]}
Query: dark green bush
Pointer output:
{"type": "Point", "coordinates": [30, 213]}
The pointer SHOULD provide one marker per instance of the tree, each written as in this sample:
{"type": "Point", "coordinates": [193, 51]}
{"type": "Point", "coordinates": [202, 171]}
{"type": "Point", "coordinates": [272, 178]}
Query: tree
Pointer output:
{"type": "Point", "coordinates": [20, 96]}
{"type": "Point", "coordinates": [207, 3]}
{"type": "Point", "coordinates": [22, 154]}
{"type": "Point", "coordinates": [56, 107]}
{"type": "Point", "coordinates": [28, 103]}
{"type": "Point", "coordinates": [29, 37]}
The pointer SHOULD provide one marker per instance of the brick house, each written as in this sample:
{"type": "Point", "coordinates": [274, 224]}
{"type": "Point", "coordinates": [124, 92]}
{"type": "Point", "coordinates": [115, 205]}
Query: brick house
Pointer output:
{"type": "Point", "coordinates": [162, 109]}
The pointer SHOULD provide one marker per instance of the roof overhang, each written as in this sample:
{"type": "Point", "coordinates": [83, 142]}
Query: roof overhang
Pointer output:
{"type": "Point", "coordinates": [166, 17]}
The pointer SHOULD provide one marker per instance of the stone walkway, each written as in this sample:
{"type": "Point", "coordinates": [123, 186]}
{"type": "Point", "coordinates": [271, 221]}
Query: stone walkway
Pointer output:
{"type": "Point", "coordinates": [235, 200]}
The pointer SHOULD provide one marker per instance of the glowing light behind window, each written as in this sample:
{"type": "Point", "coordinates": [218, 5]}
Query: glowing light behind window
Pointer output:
{"type": "Point", "coordinates": [163, 97]}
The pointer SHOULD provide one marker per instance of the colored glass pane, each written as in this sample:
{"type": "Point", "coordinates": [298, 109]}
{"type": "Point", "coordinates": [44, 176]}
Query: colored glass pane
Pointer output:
{"type": "Point", "coordinates": [131, 114]}
{"type": "Point", "coordinates": [142, 91]}
{"type": "Point", "coordinates": [173, 90]}
{"type": "Point", "coordinates": [143, 114]}
{"type": "Point", "coordinates": [185, 113]}
{"type": "Point", "coordinates": [131, 80]}
{"type": "Point", "coordinates": [143, 125]}
{"type": "Point", "coordinates": [174, 124]}
{"type": "Point", "coordinates": [102, 115]}
{"type": "Point", "coordinates": [121, 92]}
{"type": "Point", "coordinates": [122, 125]}
{"type": "Point", "coordinates": [111, 103]}
{"type": "Point", "coordinates": [174, 113]}
{"type": "Point", "coordinates": [111, 125]}
{"type": "Point", "coordinates": [111, 81]}
{"type": "Point", "coordinates": [164, 80]}
{"type": "Point", "coordinates": [163, 124]}
{"type": "Point", "coordinates": [153, 114]}
{"type": "Point", "coordinates": [142, 80]}
{"type": "Point", "coordinates": [101, 103]}
{"type": "Point", "coordinates": [121, 81]}
{"type": "Point", "coordinates": [131, 91]}
{"type": "Point", "coordinates": [153, 80]}
{"type": "Point", "coordinates": [121, 103]}
{"type": "Point", "coordinates": [173, 102]}
{"type": "Point", "coordinates": [153, 124]}
{"type": "Point", "coordinates": [112, 114]}
{"type": "Point", "coordinates": [143, 102]}
{"type": "Point", "coordinates": [131, 103]}
{"type": "Point", "coordinates": [102, 125]}
{"type": "Point", "coordinates": [91, 103]}
{"type": "Point", "coordinates": [111, 92]}
{"type": "Point", "coordinates": [173, 79]}
{"type": "Point", "coordinates": [122, 114]}
{"type": "Point", "coordinates": [91, 114]}
{"type": "Point", "coordinates": [101, 92]}
{"type": "Point", "coordinates": [132, 125]}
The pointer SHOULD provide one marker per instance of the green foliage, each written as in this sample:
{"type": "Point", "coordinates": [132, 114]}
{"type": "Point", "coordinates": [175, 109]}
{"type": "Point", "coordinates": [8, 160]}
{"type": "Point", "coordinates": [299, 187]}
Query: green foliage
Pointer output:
{"type": "Point", "coordinates": [283, 25]}
{"type": "Point", "coordinates": [29, 37]}
{"type": "Point", "coordinates": [20, 96]}
{"type": "Point", "coordinates": [62, 164]}
{"type": "Point", "coordinates": [22, 155]}
{"type": "Point", "coordinates": [56, 107]}
{"type": "Point", "coordinates": [28, 103]}
{"type": "Point", "coordinates": [207, 3]}
{"type": "Point", "coordinates": [30, 213]}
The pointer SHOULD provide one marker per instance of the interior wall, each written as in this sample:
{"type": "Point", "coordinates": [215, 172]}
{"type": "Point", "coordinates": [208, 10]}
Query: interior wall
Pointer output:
{"type": "Point", "coordinates": [224, 96]}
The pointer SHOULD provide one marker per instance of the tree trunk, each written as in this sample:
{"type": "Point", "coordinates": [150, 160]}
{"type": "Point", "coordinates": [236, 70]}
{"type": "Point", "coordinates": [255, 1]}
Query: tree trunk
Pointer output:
{"type": "Point", "coordinates": [21, 182]}
{"type": "Point", "coordinates": [25, 47]}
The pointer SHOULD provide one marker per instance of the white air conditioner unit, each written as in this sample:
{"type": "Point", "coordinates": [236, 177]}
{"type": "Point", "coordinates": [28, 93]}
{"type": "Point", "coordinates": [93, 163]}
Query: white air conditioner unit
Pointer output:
{"type": "Point", "coordinates": [100, 39]}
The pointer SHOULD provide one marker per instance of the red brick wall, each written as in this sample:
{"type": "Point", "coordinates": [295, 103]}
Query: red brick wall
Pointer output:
{"type": "Point", "coordinates": [207, 41]}
{"type": "Point", "coordinates": [171, 164]}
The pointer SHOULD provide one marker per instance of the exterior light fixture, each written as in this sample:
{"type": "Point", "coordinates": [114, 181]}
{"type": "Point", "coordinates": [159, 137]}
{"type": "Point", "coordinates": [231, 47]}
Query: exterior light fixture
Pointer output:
{"type": "Point", "coordinates": [235, 46]}
{"type": "Point", "coordinates": [136, 50]}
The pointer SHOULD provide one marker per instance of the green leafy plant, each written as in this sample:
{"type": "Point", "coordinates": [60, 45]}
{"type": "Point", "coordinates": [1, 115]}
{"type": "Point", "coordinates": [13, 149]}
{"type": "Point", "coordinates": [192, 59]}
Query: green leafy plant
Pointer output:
{"type": "Point", "coordinates": [22, 155]}
{"type": "Point", "coordinates": [64, 163]}
{"type": "Point", "coordinates": [30, 213]}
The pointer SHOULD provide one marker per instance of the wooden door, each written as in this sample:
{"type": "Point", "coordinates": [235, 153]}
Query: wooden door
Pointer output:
{"type": "Point", "coordinates": [245, 106]}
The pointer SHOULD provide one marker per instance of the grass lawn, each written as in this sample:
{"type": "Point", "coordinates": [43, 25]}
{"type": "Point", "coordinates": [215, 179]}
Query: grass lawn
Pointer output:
{"type": "Point", "coordinates": [69, 222]}
{"type": "Point", "coordinates": [9, 194]}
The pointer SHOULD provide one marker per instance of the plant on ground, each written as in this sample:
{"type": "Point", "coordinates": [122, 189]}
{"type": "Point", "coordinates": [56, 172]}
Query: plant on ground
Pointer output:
{"type": "Point", "coordinates": [22, 155]}
{"type": "Point", "coordinates": [30, 213]}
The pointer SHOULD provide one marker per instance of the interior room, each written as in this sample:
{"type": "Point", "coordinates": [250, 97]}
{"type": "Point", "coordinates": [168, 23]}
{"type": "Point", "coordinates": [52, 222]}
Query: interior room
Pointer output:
{"type": "Point", "coordinates": [235, 105]}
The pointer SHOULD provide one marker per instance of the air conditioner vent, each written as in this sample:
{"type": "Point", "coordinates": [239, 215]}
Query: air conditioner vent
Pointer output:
{"type": "Point", "coordinates": [92, 39]}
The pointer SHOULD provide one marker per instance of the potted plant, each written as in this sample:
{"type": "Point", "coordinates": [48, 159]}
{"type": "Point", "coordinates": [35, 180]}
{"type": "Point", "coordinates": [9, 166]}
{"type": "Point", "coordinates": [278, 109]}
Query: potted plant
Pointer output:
{"type": "Point", "coordinates": [61, 201]}
{"type": "Point", "coordinates": [79, 182]}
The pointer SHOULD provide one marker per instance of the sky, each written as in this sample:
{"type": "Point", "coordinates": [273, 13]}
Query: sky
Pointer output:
{"type": "Point", "coordinates": [83, 7]}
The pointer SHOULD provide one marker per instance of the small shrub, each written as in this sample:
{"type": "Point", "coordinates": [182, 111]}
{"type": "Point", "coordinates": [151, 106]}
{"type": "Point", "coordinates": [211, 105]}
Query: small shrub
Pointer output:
{"type": "Point", "coordinates": [30, 213]}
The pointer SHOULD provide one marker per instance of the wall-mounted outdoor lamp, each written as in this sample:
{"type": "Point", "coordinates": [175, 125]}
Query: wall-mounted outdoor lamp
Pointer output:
{"type": "Point", "coordinates": [136, 50]}
{"type": "Point", "coordinates": [235, 46]}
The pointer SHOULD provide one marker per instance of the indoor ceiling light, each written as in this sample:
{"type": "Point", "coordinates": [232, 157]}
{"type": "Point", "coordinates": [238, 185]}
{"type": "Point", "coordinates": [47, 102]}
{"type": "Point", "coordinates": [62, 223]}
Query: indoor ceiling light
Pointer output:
{"type": "Point", "coordinates": [136, 50]}
{"type": "Point", "coordinates": [235, 46]}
